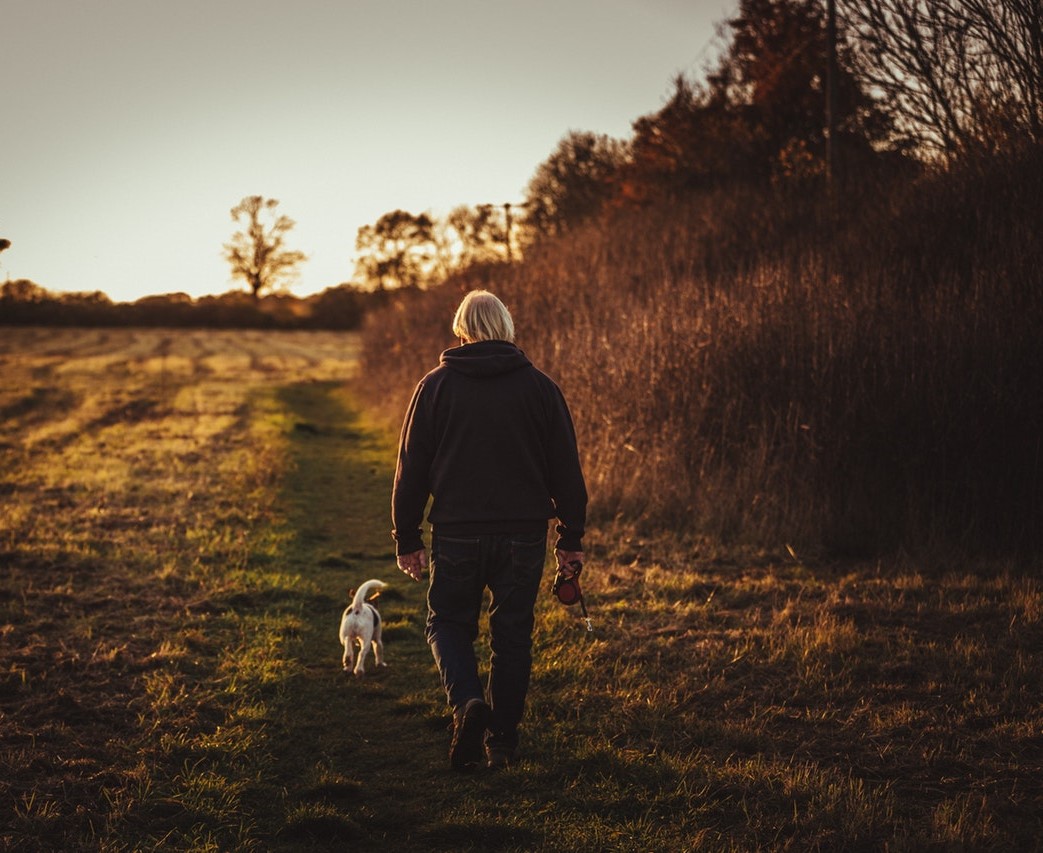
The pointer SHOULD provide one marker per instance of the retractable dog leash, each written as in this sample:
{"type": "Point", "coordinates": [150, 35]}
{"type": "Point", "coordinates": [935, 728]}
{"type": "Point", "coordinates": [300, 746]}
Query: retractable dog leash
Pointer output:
{"type": "Point", "coordinates": [583, 609]}
{"type": "Point", "coordinates": [568, 591]}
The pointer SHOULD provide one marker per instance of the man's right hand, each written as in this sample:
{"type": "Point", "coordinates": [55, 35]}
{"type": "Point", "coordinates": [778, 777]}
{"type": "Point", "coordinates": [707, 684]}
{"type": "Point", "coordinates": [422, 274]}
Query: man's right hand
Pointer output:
{"type": "Point", "coordinates": [413, 564]}
{"type": "Point", "coordinates": [565, 561]}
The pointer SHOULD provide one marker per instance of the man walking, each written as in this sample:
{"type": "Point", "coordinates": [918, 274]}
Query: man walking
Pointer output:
{"type": "Point", "coordinates": [491, 439]}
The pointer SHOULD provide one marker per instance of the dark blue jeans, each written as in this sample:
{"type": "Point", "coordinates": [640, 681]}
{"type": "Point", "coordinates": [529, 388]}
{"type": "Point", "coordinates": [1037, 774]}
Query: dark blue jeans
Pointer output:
{"type": "Point", "coordinates": [511, 566]}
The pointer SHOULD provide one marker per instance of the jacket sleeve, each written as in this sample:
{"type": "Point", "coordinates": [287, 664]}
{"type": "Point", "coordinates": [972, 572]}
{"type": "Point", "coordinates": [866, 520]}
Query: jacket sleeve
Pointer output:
{"type": "Point", "coordinates": [412, 475]}
{"type": "Point", "coordinates": [567, 486]}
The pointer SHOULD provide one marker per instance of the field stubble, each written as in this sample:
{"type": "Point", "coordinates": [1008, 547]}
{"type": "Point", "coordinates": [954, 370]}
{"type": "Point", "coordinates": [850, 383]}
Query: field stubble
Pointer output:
{"type": "Point", "coordinates": [182, 515]}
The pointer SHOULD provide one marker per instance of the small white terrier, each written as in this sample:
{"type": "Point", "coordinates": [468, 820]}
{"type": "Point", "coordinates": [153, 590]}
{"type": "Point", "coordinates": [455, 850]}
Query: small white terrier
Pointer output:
{"type": "Point", "coordinates": [361, 622]}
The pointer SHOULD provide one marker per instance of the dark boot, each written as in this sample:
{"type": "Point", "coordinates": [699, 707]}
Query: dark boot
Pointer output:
{"type": "Point", "coordinates": [467, 748]}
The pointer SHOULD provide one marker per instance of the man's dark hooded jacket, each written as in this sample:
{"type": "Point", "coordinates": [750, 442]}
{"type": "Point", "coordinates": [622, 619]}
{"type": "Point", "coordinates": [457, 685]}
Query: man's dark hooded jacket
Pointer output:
{"type": "Point", "coordinates": [491, 438]}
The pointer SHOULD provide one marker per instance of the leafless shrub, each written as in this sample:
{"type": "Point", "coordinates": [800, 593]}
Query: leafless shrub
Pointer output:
{"type": "Point", "coordinates": [957, 75]}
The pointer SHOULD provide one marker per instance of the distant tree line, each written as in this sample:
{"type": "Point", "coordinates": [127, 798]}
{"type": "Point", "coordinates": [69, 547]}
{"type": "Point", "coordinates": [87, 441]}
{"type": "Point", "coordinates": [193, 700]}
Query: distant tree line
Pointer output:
{"type": "Point", "coordinates": [342, 307]}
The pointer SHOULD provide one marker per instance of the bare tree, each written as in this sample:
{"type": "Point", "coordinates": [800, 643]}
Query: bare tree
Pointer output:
{"type": "Point", "coordinates": [956, 74]}
{"type": "Point", "coordinates": [257, 253]}
{"type": "Point", "coordinates": [1013, 32]}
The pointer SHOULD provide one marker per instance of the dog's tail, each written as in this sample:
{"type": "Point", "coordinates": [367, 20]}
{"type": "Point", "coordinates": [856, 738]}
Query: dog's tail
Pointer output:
{"type": "Point", "coordinates": [364, 592]}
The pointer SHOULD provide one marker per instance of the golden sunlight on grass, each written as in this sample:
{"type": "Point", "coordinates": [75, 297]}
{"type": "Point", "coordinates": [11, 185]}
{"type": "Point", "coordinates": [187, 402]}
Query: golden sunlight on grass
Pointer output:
{"type": "Point", "coordinates": [182, 516]}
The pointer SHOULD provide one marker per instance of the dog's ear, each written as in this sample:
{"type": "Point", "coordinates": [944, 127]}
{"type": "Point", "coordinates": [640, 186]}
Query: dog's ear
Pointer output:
{"type": "Point", "coordinates": [374, 596]}
{"type": "Point", "coordinates": [351, 593]}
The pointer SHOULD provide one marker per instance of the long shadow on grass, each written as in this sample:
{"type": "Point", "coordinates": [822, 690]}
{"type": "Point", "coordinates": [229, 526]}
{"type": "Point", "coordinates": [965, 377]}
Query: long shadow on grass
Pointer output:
{"type": "Point", "coordinates": [365, 761]}
{"type": "Point", "coordinates": [359, 759]}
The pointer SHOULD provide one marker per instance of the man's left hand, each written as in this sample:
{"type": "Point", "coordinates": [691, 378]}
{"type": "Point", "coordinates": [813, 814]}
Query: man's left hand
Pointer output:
{"type": "Point", "coordinates": [413, 564]}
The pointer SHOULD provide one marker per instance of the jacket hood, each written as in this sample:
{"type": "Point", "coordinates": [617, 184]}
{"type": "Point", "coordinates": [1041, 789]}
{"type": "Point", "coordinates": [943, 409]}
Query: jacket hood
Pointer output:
{"type": "Point", "coordinates": [484, 358]}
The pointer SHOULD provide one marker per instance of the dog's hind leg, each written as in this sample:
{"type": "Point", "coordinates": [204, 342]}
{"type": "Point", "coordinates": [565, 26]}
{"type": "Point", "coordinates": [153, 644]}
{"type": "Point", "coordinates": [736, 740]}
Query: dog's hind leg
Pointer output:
{"type": "Point", "coordinates": [360, 665]}
{"type": "Point", "coordinates": [349, 655]}
{"type": "Point", "coordinates": [378, 642]}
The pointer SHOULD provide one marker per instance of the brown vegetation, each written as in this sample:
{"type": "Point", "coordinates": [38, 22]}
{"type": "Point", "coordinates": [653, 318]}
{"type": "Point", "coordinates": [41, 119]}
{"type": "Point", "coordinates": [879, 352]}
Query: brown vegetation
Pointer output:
{"type": "Point", "coordinates": [762, 349]}
{"type": "Point", "coordinates": [748, 367]}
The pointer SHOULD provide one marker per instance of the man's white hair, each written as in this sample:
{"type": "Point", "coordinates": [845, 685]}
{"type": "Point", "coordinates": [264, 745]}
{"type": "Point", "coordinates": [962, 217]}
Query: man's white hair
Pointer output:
{"type": "Point", "coordinates": [483, 317]}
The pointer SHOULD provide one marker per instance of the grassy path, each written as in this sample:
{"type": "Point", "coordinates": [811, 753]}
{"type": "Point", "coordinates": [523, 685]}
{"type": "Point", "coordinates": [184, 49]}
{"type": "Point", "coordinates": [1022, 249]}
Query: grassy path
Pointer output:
{"type": "Point", "coordinates": [359, 755]}
{"type": "Point", "coordinates": [365, 761]}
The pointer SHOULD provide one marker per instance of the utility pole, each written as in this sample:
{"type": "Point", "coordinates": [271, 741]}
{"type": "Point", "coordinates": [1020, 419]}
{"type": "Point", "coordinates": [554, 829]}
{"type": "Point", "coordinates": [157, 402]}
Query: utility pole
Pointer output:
{"type": "Point", "coordinates": [831, 134]}
{"type": "Point", "coordinates": [507, 231]}
{"type": "Point", "coordinates": [831, 91]}
{"type": "Point", "coordinates": [508, 224]}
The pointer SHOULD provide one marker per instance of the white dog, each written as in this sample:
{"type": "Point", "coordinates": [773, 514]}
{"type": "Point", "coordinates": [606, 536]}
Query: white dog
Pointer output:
{"type": "Point", "coordinates": [361, 622]}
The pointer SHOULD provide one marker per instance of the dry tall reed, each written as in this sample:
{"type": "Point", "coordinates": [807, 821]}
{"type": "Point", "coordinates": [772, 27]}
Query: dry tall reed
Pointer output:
{"type": "Point", "coordinates": [759, 366]}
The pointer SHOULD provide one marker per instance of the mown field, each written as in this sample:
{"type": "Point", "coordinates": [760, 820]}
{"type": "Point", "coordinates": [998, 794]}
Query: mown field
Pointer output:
{"type": "Point", "coordinates": [182, 515]}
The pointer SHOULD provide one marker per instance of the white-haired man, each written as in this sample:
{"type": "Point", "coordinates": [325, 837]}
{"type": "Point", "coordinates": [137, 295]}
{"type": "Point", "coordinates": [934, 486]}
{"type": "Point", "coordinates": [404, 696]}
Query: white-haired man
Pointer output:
{"type": "Point", "coordinates": [490, 438]}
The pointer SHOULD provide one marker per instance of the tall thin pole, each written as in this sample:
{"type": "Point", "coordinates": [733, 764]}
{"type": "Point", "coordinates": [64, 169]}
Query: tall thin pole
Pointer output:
{"type": "Point", "coordinates": [507, 233]}
{"type": "Point", "coordinates": [831, 89]}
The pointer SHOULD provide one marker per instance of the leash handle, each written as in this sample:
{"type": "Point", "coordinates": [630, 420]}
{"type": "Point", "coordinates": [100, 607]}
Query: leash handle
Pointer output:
{"type": "Point", "coordinates": [586, 618]}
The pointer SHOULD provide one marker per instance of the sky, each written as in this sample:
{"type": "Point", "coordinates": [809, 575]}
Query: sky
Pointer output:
{"type": "Point", "coordinates": [130, 128]}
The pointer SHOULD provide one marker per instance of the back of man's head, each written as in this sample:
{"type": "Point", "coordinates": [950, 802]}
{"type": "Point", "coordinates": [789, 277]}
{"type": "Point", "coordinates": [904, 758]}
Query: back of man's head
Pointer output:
{"type": "Point", "coordinates": [483, 317]}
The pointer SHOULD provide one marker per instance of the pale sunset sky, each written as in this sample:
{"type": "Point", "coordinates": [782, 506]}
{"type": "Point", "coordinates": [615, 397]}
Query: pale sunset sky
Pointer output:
{"type": "Point", "coordinates": [130, 128]}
